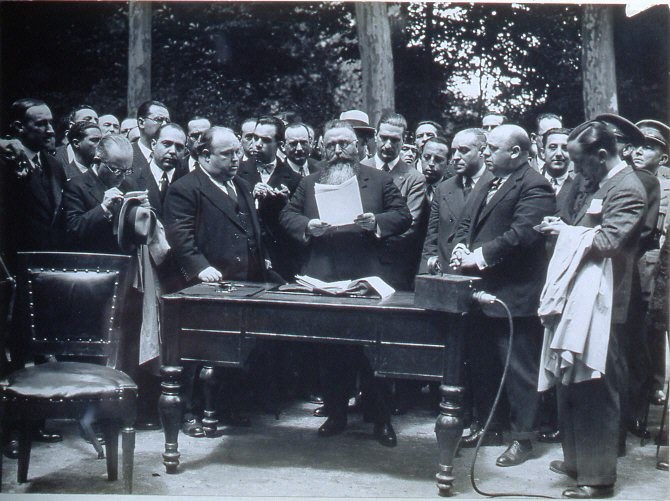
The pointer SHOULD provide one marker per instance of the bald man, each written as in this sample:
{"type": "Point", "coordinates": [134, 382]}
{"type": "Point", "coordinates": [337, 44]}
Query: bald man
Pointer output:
{"type": "Point", "coordinates": [496, 241]}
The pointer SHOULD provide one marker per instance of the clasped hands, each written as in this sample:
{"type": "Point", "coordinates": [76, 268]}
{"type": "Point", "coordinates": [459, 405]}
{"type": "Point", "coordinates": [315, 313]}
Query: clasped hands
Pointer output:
{"type": "Point", "coordinates": [462, 257]}
{"type": "Point", "coordinates": [263, 190]}
{"type": "Point", "coordinates": [366, 221]}
{"type": "Point", "coordinates": [551, 225]}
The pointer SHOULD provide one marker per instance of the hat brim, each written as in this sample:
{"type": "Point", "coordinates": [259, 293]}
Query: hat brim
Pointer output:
{"type": "Point", "coordinates": [624, 126]}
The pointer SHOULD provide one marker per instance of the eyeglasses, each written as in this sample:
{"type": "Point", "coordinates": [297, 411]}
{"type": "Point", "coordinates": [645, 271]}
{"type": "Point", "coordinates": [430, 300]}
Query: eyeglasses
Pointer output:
{"type": "Point", "coordinates": [343, 144]}
{"type": "Point", "coordinates": [160, 120]}
{"type": "Point", "coordinates": [118, 172]}
{"type": "Point", "coordinates": [195, 136]}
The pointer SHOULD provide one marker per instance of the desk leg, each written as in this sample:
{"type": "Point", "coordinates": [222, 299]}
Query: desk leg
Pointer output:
{"type": "Point", "coordinates": [449, 425]}
{"type": "Point", "coordinates": [170, 410]}
{"type": "Point", "coordinates": [210, 387]}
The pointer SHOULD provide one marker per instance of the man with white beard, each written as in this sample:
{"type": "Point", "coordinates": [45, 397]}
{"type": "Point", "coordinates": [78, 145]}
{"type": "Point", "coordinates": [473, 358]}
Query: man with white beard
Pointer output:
{"type": "Point", "coordinates": [347, 252]}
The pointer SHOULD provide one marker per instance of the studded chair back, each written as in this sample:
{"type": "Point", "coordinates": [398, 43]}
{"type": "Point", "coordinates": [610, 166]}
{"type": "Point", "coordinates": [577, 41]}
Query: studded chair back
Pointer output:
{"type": "Point", "coordinates": [71, 305]}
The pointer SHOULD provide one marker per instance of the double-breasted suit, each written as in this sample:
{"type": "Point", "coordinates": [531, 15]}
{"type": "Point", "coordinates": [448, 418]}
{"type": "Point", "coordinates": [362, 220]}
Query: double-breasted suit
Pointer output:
{"type": "Point", "coordinates": [446, 210]}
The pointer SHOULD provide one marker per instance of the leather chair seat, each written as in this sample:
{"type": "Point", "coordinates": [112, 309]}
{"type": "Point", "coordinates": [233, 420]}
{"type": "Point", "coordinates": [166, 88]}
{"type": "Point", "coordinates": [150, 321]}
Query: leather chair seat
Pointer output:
{"type": "Point", "coordinates": [69, 380]}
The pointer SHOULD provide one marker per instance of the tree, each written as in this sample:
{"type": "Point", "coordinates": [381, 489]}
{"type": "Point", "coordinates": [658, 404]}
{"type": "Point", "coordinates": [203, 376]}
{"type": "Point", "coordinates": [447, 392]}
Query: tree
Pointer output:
{"type": "Point", "coordinates": [139, 54]}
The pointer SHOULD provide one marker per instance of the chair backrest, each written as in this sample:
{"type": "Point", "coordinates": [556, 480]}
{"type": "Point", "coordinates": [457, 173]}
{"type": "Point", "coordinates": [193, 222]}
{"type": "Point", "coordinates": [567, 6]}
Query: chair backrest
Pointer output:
{"type": "Point", "coordinates": [71, 304]}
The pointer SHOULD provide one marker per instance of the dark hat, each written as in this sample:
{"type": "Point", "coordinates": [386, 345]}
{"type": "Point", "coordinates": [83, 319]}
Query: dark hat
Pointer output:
{"type": "Point", "coordinates": [358, 119]}
{"type": "Point", "coordinates": [655, 131]}
{"type": "Point", "coordinates": [135, 225]}
{"type": "Point", "coordinates": [622, 128]}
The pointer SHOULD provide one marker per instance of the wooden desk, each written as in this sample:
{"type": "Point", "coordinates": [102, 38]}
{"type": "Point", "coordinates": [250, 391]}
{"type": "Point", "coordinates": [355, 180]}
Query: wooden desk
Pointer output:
{"type": "Point", "coordinates": [218, 326]}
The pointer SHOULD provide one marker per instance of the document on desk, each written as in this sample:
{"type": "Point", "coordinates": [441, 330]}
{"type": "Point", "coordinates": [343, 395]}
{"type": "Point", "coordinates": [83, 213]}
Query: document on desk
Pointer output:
{"type": "Point", "coordinates": [339, 204]}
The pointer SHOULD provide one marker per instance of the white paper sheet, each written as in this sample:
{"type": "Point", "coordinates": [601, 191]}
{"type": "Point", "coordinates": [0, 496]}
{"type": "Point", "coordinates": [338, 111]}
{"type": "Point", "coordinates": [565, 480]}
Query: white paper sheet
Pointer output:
{"type": "Point", "coordinates": [339, 204]}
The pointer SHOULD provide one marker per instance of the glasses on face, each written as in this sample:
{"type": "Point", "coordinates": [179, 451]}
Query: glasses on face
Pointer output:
{"type": "Point", "coordinates": [160, 120]}
{"type": "Point", "coordinates": [343, 144]}
{"type": "Point", "coordinates": [195, 136]}
{"type": "Point", "coordinates": [118, 172]}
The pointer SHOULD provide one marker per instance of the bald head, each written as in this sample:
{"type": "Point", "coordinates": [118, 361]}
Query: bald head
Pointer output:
{"type": "Point", "coordinates": [507, 148]}
{"type": "Point", "coordinates": [219, 153]}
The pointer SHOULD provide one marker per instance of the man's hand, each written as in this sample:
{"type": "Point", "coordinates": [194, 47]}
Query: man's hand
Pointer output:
{"type": "Point", "coordinates": [262, 190]}
{"type": "Point", "coordinates": [551, 225]}
{"type": "Point", "coordinates": [112, 196]}
{"type": "Point", "coordinates": [210, 274]}
{"type": "Point", "coordinates": [468, 261]}
{"type": "Point", "coordinates": [316, 227]}
{"type": "Point", "coordinates": [367, 221]}
{"type": "Point", "coordinates": [457, 255]}
{"type": "Point", "coordinates": [433, 265]}
{"type": "Point", "coordinates": [144, 200]}
{"type": "Point", "coordinates": [11, 150]}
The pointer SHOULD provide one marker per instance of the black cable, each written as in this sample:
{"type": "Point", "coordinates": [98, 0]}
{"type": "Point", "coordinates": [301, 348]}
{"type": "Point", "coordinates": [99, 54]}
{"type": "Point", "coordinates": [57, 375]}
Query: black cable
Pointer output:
{"type": "Point", "coordinates": [491, 414]}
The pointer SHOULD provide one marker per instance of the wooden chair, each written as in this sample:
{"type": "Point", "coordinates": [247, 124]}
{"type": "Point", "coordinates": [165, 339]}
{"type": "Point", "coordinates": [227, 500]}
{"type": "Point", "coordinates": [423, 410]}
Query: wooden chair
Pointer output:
{"type": "Point", "coordinates": [71, 305]}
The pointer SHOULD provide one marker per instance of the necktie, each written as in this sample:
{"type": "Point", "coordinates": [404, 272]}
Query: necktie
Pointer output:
{"type": "Point", "coordinates": [37, 166]}
{"type": "Point", "coordinates": [495, 184]}
{"type": "Point", "coordinates": [230, 188]}
{"type": "Point", "coordinates": [467, 185]}
{"type": "Point", "coordinates": [554, 183]}
{"type": "Point", "coordinates": [39, 172]}
{"type": "Point", "coordinates": [163, 185]}
{"type": "Point", "coordinates": [386, 168]}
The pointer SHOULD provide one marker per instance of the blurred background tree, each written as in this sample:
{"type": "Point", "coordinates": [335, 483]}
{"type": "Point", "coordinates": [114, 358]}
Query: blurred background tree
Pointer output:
{"type": "Point", "coordinates": [230, 60]}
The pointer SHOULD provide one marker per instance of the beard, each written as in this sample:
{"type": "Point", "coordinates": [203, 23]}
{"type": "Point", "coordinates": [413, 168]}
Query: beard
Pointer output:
{"type": "Point", "coordinates": [338, 172]}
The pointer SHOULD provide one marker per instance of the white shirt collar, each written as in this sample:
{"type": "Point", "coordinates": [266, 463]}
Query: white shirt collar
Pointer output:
{"type": "Point", "coordinates": [379, 163]}
{"type": "Point", "coordinates": [613, 172]}
{"type": "Point", "coordinates": [81, 167]}
{"type": "Point", "coordinates": [145, 151]}
{"type": "Point", "coordinates": [228, 185]}
{"type": "Point", "coordinates": [300, 169]}
{"type": "Point", "coordinates": [70, 153]}
{"type": "Point", "coordinates": [478, 174]}
{"type": "Point", "coordinates": [191, 163]}
{"type": "Point", "coordinates": [559, 179]}
{"type": "Point", "coordinates": [157, 172]}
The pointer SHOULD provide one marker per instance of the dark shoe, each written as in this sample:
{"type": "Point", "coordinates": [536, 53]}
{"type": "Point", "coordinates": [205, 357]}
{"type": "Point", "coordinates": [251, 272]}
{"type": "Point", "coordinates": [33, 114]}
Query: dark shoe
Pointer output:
{"type": "Point", "coordinates": [315, 399]}
{"type": "Point", "coordinates": [657, 397]}
{"type": "Point", "coordinates": [147, 425]}
{"type": "Point", "coordinates": [193, 428]}
{"type": "Point", "coordinates": [491, 438]}
{"type": "Point", "coordinates": [517, 453]}
{"type": "Point", "coordinates": [45, 435]}
{"type": "Point", "coordinates": [320, 412]}
{"type": "Point", "coordinates": [638, 429]}
{"type": "Point", "coordinates": [589, 492]}
{"type": "Point", "coordinates": [558, 466]}
{"type": "Point", "coordinates": [11, 449]}
{"type": "Point", "coordinates": [234, 418]}
{"type": "Point", "coordinates": [332, 426]}
{"type": "Point", "coordinates": [549, 437]}
{"type": "Point", "coordinates": [385, 434]}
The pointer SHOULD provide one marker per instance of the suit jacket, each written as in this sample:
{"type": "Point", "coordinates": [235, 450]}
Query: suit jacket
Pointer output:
{"type": "Point", "coordinates": [139, 161]}
{"type": "Point", "coordinates": [30, 208]}
{"type": "Point", "coordinates": [621, 219]}
{"type": "Point", "coordinates": [514, 252]}
{"type": "Point", "coordinates": [204, 229]}
{"type": "Point", "coordinates": [446, 210]}
{"type": "Point", "coordinates": [403, 251]}
{"type": "Point", "coordinates": [348, 252]}
{"type": "Point", "coordinates": [283, 252]}
{"type": "Point", "coordinates": [649, 235]}
{"type": "Point", "coordinates": [143, 179]}
{"type": "Point", "coordinates": [88, 228]}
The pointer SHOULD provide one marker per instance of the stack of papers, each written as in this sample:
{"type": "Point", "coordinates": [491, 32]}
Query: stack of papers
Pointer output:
{"type": "Point", "coordinates": [358, 287]}
{"type": "Point", "coordinates": [339, 204]}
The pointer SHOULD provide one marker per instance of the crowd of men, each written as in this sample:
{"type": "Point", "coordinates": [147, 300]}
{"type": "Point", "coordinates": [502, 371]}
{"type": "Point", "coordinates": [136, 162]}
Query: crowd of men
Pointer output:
{"type": "Point", "coordinates": [240, 204]}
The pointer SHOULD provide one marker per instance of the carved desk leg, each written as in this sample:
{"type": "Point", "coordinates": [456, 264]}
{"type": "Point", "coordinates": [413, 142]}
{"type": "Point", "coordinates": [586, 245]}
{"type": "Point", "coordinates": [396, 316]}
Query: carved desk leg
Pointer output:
{"type": "Point", "coordinates": [170, 410]}
{"type": "Point", "coordinates": [449, 425]}
{"type": "Point", "coordinates": [210, 387]}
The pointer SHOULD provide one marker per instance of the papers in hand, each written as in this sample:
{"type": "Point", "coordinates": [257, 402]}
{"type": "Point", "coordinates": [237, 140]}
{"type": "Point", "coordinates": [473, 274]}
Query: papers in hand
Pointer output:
{"type": "Point", "coordinates": [339, 204]}
{"type": "Point", "coordinates": [358, 287]}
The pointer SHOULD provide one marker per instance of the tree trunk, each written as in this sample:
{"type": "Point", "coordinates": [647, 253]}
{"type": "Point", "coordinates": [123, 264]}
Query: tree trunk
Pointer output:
{"type": "Point", "coordinates": [598, 63]}
{"type": "Point", "coordinates": [374, 41]}
{"type": "Point", "coordinates": [139, 54]}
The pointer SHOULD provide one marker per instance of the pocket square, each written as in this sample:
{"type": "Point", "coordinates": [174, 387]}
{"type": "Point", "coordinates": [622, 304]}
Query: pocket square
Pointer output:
{"type": "Point", "coordinates": [596, 206]}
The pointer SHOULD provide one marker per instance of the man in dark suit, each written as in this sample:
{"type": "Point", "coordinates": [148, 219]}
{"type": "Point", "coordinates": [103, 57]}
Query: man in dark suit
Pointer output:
{"type": "Point", "coordinates": [83, 138]}
{"type": "Point", "coordinates": [81, 113]}
{"type": "Point", "coordinates": [433, 164]}
{"type": "Point", "coordinates": [402, 251]}
{"type": "Point", "coordinates": [195, 128]}
{"type": "Point", "coordinates": [298, 149]}
{"type": "Point", "coordinates": [273, 182]}
{"type": "Point", "coordinates": [589, 411]}
{"type": "Point", "coordinates": [215, 235]}
{"type": "Point", "coordinates": [346, 252]}
{"type": "Point", "coordinates": [151, 115]}
{"type": "Point", "coordinates": [33, 180]}
{"type": "Point", "coordinates": [496, 241]}
{"type": "Point", "coordinates": [451, 195]}
{"type": "Point", "coordinates": [164, 168]}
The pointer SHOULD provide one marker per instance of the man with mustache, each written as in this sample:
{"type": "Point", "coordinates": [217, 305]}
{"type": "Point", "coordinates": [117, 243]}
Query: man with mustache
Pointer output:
{"type": "Point", "coordinates": [346, 252]}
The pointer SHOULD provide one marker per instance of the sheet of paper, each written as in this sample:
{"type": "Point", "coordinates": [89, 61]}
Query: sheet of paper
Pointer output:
{"type": "Point", "coordinates": [339, 204]}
